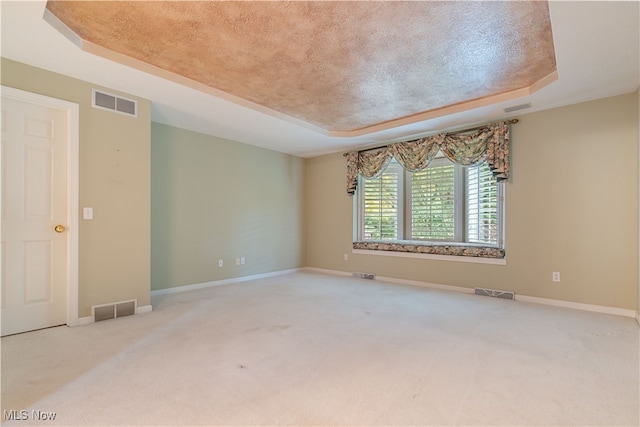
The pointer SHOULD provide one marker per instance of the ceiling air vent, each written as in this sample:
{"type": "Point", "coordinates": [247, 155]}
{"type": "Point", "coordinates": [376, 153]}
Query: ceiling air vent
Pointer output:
{"type": "Point", "coordinates": [517, 107]}
{"type": "Point", "coordinates": [107, 101]}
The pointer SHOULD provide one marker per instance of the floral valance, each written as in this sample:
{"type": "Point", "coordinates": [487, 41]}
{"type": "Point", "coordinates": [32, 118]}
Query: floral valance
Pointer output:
{"type": "Point", "coordinates": [490, 143]}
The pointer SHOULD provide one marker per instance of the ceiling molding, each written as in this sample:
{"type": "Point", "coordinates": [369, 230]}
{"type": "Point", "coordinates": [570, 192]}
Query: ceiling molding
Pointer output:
{"type": "Point", "coordinates": [451, 109]}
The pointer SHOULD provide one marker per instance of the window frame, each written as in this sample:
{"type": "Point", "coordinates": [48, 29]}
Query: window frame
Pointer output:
{"type": "Point", "coordinates": [458, 186]}
{"type": "Point", "coordinates": [404, 210]}
{"type": "Point", "coordinates": [500, 214]}
{"type": "Point", "coordinates": [400, 197]}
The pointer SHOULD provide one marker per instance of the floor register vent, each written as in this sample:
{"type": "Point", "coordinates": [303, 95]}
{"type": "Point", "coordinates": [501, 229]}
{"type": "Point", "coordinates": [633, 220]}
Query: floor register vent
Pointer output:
{"type": "Point", "coordinates": [495, 293]}
{"type": "Point", "coordinates": [369, 276]}
{"type": "Point", "coordinates": [114, 310]}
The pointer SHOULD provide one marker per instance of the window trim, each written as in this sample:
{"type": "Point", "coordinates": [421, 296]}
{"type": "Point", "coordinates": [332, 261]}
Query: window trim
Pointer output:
{"type": "Point", "coordinates": [502, 206]}
{"type": "Point", "coordinates": [400, 220]}
{"type": "Point", "coordinates": [358, 223]}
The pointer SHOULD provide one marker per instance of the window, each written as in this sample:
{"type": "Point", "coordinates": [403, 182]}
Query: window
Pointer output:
{"type": "Point", "coordinates": [442, 203]}
{"type": "Point", "coordinates": [381, 219]}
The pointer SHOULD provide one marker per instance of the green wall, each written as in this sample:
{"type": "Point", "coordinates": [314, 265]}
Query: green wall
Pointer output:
{"type": "Point", "coordinates": [572, 207]}
{"type": "Point", "coordinates": [114, 180]}
{"type": "Point", "coordinates": [215, 199]}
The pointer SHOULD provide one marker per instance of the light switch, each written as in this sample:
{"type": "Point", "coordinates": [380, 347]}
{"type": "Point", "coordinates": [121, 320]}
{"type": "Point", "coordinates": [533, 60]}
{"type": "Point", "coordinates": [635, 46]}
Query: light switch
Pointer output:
{"type": "Point", "coordinates": [87, 213]}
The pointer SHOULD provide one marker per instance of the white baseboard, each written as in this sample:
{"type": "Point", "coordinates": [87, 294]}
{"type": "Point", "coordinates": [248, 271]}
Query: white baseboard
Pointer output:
{"type": "Point", "coordinates": [397, 281]}
{"type": "Point", "coordinates": [221, 282]}
{"type": "Point", "coordinates": [523, 298]}
{"type": "Point", "coordinates": [324, 271]}
{"type": "Point", "coordinates": [578, 306]}
{"type": "Point", "coordinates": [85, 320]}
{"type": "Point", "coordinates": [426, 284]}
{"type": "Point", "coordinates": [144, 309]}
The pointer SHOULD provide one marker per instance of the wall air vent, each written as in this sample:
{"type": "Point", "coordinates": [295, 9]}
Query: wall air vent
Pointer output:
{"type": "Point", "coordinates": [107, 101]}
{"type": "Point", "coordinates": [517, 107]}
{"type": "Point", "coordinates": [369, 276]}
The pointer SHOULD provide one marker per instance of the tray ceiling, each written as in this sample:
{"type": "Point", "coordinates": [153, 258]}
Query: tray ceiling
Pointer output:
{"type": "Point", "coordinates": [345, 68]}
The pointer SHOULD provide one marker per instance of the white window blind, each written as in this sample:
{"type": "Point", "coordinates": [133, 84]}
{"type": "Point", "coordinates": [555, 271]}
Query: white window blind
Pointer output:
{"type": "Point", "coordinates": [380, 205]}
{"type": "Point", "coordinates": [433, 203]}
{"type": "Point", "coordinates": [482, 205]}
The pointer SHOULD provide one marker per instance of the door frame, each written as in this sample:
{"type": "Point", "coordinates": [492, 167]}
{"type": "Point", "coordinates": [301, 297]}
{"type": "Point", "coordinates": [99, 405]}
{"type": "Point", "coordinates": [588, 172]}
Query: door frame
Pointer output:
{"type": "Point", "coordinates": [73, 194]}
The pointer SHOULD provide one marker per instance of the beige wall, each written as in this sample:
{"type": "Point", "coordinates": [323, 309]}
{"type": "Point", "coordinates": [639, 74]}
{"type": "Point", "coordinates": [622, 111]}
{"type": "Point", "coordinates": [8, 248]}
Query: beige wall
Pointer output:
{"type": "Point", "coordinates": [114, 180]}
{"type": "Point", "coordinates": [571, 207]}
{"type": "Point", "coordinates": [217, 199]}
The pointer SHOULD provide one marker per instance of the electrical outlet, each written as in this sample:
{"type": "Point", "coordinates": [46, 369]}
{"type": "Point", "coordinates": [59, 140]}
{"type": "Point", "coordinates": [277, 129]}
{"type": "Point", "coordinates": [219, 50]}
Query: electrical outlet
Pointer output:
{"type": "Point", "coordinates": [242, 260]}
{"type": "Point", "coordinates": [345, 257]}
{"type": "Point", "coordinates": [220, 263]}
{"type": "Point", "coordinates": [555, 276]}
{"type": "Point", "coordinates": [237, 261]}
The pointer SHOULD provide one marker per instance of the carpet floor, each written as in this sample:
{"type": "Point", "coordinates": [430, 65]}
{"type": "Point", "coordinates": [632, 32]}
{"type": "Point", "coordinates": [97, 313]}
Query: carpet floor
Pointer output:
{"type": "Point", "coordinates": [314, 349]}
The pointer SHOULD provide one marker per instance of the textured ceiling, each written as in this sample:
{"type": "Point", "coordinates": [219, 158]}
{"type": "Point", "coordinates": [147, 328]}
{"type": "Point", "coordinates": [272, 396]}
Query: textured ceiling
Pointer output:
{"type": "Point", "coordinates": [345, 67]}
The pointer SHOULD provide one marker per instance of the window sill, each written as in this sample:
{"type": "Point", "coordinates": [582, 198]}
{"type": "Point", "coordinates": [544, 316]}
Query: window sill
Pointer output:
{"type": "Point", "coordinates": [441, 252]}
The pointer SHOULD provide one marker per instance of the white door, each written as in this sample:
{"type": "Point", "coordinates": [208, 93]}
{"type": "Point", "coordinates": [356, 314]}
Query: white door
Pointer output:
{"type": "Point", "coordinates": [34, 216]}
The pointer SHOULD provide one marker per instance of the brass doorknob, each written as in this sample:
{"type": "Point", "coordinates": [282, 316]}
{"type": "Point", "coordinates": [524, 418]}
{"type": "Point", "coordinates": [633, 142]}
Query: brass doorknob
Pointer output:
{"type": "Point", "coordinates": [59, 228]}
